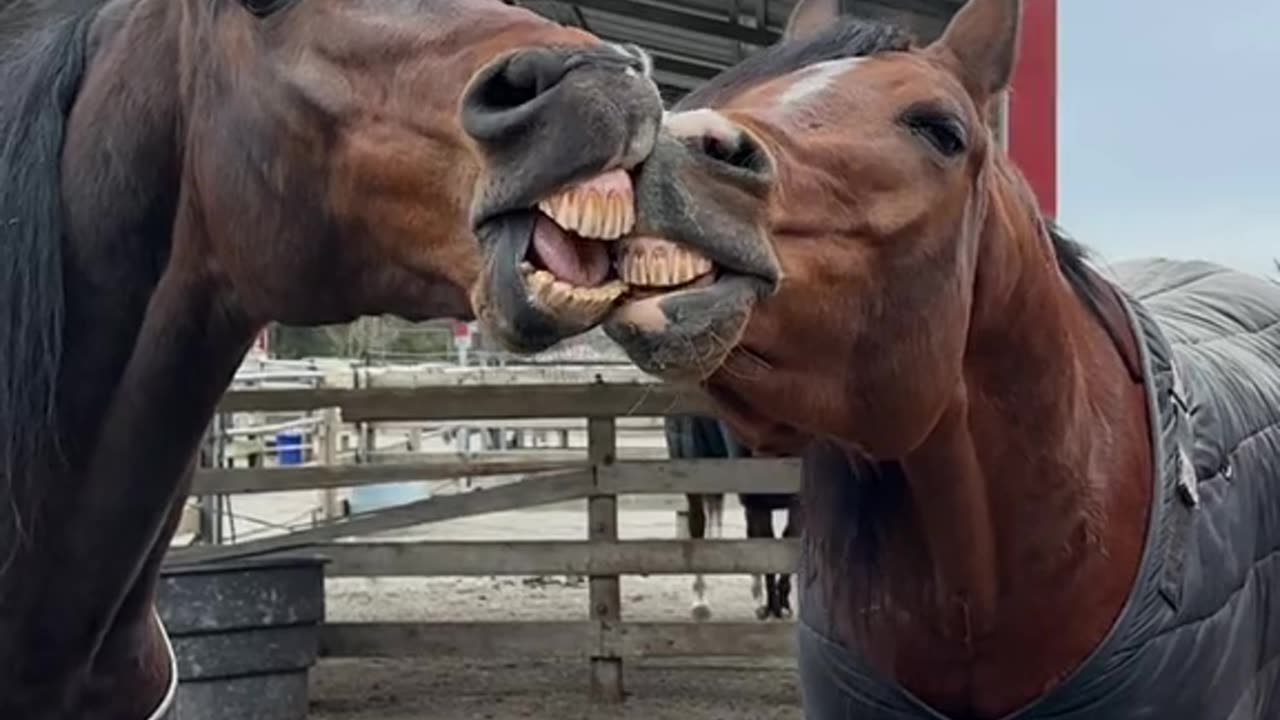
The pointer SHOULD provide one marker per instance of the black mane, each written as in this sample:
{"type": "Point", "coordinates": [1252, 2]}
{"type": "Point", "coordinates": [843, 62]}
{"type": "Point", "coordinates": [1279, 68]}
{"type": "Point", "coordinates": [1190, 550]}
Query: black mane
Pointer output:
{"type": "Point", "coordinates": [849, 38]}
{"type": "Point", "coordinates": [42, 61]}
{"type": "Point", "coordinates": [1073, 263]}
{"type": "Point", "coordinates": [848, 502]}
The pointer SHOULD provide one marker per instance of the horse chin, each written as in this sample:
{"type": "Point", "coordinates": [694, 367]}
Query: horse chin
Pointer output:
{"type": "Point", "coordinates": [685, 336]}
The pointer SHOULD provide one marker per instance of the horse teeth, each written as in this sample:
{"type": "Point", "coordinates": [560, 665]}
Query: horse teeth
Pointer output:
{"type": "Point", "coordinates": [600, 209]}
{"type": "Point", "coordinates": [576, 304]}
{"type": "Point", "coordinates": [653, 262]}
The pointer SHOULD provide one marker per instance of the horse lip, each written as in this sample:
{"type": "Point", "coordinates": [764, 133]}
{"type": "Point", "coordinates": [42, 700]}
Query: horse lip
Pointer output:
{"type": "Point", "coordinates": [666, 335]}
{"type": "Point", "coordinates": [499, 232]}
{"type": "Point", "coordinates": [763, 286]}
{"type": "Point", "coordinates": [766, 276]}
{"type": "Point", "coordinates": [504, 240]}
{"type": "Point", "coordinates": [760, 269]}
{"type": "Point", "coordinates": [752, 257]}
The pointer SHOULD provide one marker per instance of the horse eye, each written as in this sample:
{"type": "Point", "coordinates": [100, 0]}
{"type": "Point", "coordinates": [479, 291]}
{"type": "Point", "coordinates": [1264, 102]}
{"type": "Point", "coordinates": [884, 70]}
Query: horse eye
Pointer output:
{"type": "Point", "coordinates": [263, 8]}
{"type": "Point", "coordinates": [945, 134]}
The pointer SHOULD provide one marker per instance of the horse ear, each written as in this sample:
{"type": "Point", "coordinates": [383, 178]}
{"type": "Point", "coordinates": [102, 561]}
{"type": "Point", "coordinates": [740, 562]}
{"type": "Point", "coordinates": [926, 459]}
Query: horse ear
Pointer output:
{"type": "Point", "coordinates": [810, 16]}
{"type": "Point", "coordinates": [982, 41]}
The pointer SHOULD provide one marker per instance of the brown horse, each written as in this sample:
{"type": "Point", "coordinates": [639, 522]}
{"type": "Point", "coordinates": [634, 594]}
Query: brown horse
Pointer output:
{"type": "Point", "coordinates": [1032, 491]}
{"type": "Point", "coordinates": [176, 173]}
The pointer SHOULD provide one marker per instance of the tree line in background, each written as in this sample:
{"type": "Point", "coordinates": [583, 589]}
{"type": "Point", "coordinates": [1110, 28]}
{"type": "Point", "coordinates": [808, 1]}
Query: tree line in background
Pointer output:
{"type": "Point", "coordinates": [366, 337]}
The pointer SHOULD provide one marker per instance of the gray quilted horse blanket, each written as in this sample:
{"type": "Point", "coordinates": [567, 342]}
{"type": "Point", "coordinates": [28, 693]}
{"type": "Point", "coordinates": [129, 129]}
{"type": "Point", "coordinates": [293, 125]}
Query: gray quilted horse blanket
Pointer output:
{"type": "Point", "coordinates": [1199, 638]}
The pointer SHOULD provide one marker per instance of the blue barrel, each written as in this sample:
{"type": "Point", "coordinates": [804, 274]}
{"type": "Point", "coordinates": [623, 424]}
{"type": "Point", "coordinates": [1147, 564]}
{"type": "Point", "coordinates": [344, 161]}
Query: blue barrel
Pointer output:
{"type": "Point", "coordinates": [289, 448]}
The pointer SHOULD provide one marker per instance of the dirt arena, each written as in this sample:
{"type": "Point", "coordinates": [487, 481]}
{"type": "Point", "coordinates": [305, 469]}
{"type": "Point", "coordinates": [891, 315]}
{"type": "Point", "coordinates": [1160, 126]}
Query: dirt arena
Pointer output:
{"type": "Point", "coordinates": [538, 687]}
{"type": "Point", "coordinates": [546, 688]}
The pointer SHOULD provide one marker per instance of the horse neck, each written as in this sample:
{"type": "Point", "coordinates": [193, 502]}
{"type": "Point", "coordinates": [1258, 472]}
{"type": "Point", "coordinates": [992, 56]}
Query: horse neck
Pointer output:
{"type": "Point", "coordinates": [1026, 504]}
{"type": "Point", "coordinates": [121, 168]}
{"type": "Point", "coordinates": [133, 274]}
{"type": "Point", "coordinates": [150, 344]}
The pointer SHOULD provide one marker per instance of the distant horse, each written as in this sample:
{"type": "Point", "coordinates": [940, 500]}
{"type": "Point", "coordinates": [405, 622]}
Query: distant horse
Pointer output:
{"type": "Point", "coordinates": [692, 436]}
{"type": "Point", "coordinates": [1033, 490]}
{"type": "Point", "coordinates": [176, 173]}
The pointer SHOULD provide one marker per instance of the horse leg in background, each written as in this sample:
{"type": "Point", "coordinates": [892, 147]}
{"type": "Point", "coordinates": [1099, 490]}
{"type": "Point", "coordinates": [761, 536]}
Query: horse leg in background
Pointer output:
{"type": "Point", "coordinates": [690, 436]}
{"type": "Point", "coordinates": [713, 518]}
{"type": "Point", "coordinates": [760, 525]}
{"type": "Point", "coordinates": [697, 525]}
{"type": "Point", "coordinates": [791, 530]}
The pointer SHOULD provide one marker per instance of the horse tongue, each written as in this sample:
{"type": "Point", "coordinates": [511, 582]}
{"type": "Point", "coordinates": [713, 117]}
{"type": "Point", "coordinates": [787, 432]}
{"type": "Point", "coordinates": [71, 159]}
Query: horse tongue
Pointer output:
{"type": "Point", "coordinates": [584, 263]}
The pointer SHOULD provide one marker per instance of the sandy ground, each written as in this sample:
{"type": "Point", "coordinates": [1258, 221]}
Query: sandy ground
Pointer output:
{"type": "Point", "coordinates": [399, 690]}
{"type": "Point", "coordinates": [510, 688]}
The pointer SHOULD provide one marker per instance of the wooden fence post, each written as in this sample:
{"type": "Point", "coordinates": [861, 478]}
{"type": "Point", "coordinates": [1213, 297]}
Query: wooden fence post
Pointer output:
{"type": "Point", "coordinates": [605, 590]}
{"type": "Point", "coordinates": [210, 524]}
{"type": "Point", "coordinates": [330, 431]}
{"type": "Point", "coordinates": [364, 430]}
{"type": "Point", "coordinates": [369, 441]}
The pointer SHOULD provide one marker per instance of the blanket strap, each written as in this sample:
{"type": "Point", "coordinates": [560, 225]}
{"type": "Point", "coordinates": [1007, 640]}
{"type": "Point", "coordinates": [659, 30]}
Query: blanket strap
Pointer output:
{"type": "Point", "coordinates": [1180, 513]}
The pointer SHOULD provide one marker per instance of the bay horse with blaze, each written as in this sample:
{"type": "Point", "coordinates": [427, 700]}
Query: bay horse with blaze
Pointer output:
{"type": "Point", "coordinates": [174, 174]}
{"type": "Point", "coordinates": [1034, 488]}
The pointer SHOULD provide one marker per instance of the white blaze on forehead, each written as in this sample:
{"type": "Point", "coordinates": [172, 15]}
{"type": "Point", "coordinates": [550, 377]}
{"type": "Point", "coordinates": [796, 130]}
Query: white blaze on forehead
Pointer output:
{"type": "Point", "coordinates": [701, 123]}
{"type": "Point", "coordinates": [815, 81]}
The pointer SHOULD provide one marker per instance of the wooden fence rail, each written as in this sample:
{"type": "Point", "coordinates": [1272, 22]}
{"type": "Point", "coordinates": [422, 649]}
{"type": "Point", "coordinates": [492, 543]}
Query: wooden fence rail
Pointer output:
{"type": "Point", "coordinates": [597, 475]}
{"type": "Point", "coordinates": [557, 638]}
{"type": "Point", "coordinates": [559, 557]}
{"type": "Point", "coordinates": [624, 477]}
{"type": "Point", "coordinates": [474, 402]}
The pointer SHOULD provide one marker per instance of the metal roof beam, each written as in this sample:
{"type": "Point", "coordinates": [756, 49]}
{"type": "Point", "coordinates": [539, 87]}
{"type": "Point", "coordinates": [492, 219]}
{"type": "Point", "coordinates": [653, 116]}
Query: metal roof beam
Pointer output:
{"type": "Point", "coordinates": [695, 71]}
{"type": "Point", "coordinates": [662, 15]}
{"type": "Point", "coordinates": [929, 8]}
{"type": "Point", "coordinates": [677, 77]}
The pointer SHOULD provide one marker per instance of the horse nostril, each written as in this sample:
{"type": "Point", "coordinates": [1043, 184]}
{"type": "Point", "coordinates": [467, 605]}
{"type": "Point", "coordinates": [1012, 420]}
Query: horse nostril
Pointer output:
{"type": "Point", "coordinates": [505, 96]}
{"type": "Point", "coordinates": [713, 137]}
{"type": "Point", "coordinates": [739, 151]}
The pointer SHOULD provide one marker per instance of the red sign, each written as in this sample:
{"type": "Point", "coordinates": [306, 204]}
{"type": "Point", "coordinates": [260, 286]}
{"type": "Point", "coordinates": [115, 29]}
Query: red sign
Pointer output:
{"type": "Point", "coordinates": [1033, 102]}
{"type": "Point", "coordinates": [262, 344]}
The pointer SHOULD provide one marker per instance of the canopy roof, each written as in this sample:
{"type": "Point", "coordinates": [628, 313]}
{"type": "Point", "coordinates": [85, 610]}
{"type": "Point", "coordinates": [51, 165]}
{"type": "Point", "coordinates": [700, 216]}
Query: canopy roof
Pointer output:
{"type": "Point", "coordinates": [692, 40]}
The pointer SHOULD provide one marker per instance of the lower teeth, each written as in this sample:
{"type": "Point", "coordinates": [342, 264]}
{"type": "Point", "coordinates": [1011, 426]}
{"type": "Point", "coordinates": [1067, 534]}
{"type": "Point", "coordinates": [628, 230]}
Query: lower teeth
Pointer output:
{"type": "Point", "coordinates": [584, 303]}
{"type": "Point", "coordinates": [577, 303]}
{"type": "Point", "coordinates": [656, 262]}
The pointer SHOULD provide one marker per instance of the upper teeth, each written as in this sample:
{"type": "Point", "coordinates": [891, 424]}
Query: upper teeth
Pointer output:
{"type": "Point", "coordinates": [601, 208]}
{"type": "Point", "coordinates": [654, 262]}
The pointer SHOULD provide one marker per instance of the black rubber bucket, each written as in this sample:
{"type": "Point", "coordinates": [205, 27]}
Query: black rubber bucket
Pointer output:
{"type": "Point", "coordinates": [246, 634]}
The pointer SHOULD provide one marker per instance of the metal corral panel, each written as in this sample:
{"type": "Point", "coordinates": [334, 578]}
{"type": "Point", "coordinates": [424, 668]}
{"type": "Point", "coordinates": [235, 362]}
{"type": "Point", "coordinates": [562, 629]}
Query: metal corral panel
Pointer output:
{"type": "Point", "coordinates": [693, 40]}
